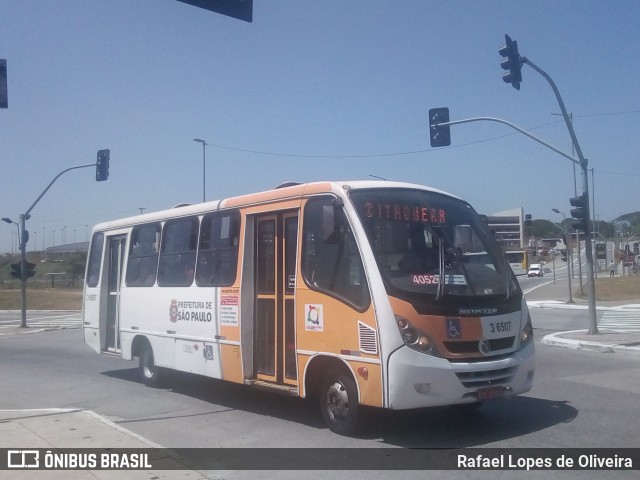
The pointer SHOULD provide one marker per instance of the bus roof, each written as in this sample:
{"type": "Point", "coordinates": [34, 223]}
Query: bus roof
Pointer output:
{"type": "Point", "coordinates": [287, 191]}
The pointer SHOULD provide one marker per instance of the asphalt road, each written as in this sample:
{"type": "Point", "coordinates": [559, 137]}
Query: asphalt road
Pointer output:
{"type": "Point", "coordinates": [579, 399]}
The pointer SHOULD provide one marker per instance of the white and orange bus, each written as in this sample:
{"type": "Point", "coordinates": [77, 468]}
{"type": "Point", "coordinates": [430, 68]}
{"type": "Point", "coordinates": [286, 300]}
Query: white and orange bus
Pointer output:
{"type": "Point", "coordinates": [372, 293]}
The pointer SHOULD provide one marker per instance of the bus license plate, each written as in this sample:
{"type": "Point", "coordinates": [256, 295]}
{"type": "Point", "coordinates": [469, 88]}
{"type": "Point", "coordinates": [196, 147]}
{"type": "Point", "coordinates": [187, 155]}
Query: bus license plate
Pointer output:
{"type": "Point", "coordinates": [490, 393]}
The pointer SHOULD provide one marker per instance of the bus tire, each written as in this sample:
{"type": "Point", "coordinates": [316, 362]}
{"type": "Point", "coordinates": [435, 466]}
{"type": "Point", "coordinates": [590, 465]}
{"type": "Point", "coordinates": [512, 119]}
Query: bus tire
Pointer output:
{"type": "Point", "coordinates": [339, 404]}
{"type": "Point", "coordinates": [149, 372]}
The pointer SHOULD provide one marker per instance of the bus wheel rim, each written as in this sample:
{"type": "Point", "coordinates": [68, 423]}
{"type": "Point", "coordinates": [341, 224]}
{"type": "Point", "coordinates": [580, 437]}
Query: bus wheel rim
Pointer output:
{"type": "Point", "coordinates": [148, 365]}
{"type": "Point", "coordinates": [337, 402]}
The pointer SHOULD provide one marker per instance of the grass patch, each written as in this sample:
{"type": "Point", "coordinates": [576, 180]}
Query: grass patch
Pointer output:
{"type": "Point", "coordinates": [42, 299]}
{"type": "Point", "coordinates": [618, 288]}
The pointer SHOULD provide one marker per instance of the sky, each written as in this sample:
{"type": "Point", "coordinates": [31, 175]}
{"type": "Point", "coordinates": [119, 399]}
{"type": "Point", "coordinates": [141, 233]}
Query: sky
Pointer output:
{"type": "Point", "coordinates": [310, 90]}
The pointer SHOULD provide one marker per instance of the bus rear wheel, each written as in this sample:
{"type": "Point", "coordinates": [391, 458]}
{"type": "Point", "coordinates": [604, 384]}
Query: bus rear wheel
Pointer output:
{"type": "Point", "coordinates": [149, 372]}
{"type": "Point", "coordinates": [339, 404]}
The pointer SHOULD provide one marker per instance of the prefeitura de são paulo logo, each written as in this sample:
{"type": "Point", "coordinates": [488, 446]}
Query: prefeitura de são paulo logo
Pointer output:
{"type": "Point", "coordinates": [173, 312]}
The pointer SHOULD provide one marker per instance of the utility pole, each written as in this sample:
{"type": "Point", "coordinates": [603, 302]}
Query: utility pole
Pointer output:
{"type": "Point", "coordinates": [204, 166]}
{"type": "Point", "coordinates": [567, 237]}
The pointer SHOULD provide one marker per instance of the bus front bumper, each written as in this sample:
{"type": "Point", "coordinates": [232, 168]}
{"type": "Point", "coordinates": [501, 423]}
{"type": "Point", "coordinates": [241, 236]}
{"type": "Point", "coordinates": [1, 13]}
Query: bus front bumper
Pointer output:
{"type": "Point", "coordinates": [418, 380]}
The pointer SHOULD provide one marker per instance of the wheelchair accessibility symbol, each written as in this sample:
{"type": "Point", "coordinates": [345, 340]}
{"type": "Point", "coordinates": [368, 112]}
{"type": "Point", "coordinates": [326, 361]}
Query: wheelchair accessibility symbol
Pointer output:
{"type": "Point", "coordinates": [454, 330]}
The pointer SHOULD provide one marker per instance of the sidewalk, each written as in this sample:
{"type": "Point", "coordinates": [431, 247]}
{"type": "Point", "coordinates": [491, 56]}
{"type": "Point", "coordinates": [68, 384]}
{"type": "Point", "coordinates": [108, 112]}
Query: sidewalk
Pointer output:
{"type": "Point", "coordinates": [625, 339]}
{"type": "Point", "coordinates": [57, 428]}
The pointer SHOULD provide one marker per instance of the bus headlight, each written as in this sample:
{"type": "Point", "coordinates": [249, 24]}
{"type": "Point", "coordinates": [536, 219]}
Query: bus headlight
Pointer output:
{"type": "Point", "coordinates": [414, 338]}
{"type": "Point", "coordinates": [526, 334]}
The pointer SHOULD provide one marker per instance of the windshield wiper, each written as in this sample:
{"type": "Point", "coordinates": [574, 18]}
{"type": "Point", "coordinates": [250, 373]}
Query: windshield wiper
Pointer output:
{"type": "Point", "coordinates": [440, 290]}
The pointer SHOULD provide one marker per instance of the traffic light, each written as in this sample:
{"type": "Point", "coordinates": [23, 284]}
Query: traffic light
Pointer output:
{"type": "Point", "coordinates": [29, 270]}
{"type": "Point", "coordinates": [580, 212]}
{"type": "Point", "coordinates": [512, 62]}
{"type": "Point", "coordinates": [439, 135]}
{"type": "Point", "coordinates": [102, 165]}
{"type": "Point", "coordinates": [636, 248]}
{"type": "Point", "coordinates": [240, 9]}
{"type": "Point", "coordinates": [16, 272]}
{"type": "Point", "coordinates": [4, 96]}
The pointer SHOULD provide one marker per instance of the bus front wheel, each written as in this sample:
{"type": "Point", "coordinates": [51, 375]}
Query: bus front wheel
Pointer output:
{"type": "Point", "coordinates": [149, 372]}
{"type": "Point", "coordinates": [339, 404]}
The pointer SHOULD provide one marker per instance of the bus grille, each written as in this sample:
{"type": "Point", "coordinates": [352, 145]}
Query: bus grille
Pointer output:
{"type": "Point", "coordinates": [486, 378]}
{"type": "Point", "coordinates": [368, 341]}
{"type": "Point", "coordinates": [473, 346]}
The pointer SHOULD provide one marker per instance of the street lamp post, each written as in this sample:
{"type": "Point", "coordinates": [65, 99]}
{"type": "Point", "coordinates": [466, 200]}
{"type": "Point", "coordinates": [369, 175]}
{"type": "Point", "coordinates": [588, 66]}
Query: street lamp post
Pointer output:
{"type": "Point", "coordinates": [204, 163]}
{"type": "Point", "coordinates": [566, 236]}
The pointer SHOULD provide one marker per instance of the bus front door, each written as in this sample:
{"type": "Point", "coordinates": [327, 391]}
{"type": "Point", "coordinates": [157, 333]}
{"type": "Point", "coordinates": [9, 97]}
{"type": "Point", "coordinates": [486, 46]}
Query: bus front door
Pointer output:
{"type": "Point", "coordinates": [274, 339]}
{"type": "Point", "coordinates": [116, 258]}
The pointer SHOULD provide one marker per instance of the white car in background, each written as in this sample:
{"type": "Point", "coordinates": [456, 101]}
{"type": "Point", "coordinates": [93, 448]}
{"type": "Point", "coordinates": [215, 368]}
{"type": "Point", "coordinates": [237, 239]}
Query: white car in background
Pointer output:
{"type": "Point", "coordinates": [535, 270]}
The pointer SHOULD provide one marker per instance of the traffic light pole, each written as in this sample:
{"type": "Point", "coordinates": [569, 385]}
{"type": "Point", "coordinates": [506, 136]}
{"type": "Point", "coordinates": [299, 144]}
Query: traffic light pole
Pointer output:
{"type": "Point", "coordinates": [591, 290]}
{"type": "Point", "coordinates": [512, 63]}
{"type": "Point", "coordinates": [23, 271]}
{"type": "Point", "coordinates": [23, 243]}
{"type": "Point", "coordinates": [593, 325]}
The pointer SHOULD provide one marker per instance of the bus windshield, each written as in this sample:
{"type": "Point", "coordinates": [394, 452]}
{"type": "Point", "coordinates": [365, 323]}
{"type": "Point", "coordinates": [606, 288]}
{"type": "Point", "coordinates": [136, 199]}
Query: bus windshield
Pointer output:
{"type": "Point", "coordinates": [432, 245]}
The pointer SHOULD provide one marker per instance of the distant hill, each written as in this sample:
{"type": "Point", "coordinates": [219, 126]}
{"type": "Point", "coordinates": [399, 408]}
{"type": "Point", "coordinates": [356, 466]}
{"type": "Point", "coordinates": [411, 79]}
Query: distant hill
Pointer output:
{"type": "Point", "coordinates": [632, 218]}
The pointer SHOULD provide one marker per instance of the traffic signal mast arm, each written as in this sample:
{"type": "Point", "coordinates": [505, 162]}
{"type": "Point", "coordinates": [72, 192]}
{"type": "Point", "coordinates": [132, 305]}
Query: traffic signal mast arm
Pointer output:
{"type": "Point", "coordinates": [26, 214]}
{"type": "Point", "coordinates": [584, 198]}
{"type": "Point", "coordinates": [565, 115]}
{"type": "Point", "coordinates": [515, 127]}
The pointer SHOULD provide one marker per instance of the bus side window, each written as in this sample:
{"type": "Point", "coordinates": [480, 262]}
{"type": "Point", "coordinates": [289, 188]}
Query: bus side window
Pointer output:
{"type": "Point", "coordinates": [95, 260]}
{"type": "Point", "coordinates": [218, 252]}
{"type": "Point", "coordinates": [178, 252]}
{"type": "Point", "coordinates": [143, 256]}
{"type": "Point", "coordinates": [331, 261]}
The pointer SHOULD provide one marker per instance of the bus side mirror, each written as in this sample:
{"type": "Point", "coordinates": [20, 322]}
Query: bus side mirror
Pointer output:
{"type": "Point", "coordinates": [330, 224]}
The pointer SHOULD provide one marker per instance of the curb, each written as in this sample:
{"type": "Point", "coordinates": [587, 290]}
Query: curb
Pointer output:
{"type": "Point", "coordinates": [555, 340]}
{"type": "Point", "coordinates": [561, 305]}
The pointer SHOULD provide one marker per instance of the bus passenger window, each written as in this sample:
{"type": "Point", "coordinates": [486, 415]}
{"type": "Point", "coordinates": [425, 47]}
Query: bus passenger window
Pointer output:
{"type": "Point", "coordinates": [218, 250]}
{"type": "Point", "coordinates": [331, 261]}
{"type": "Point", "coordinates": [178, 252]}
{"type": "Point", "coordinates": [143, 256]}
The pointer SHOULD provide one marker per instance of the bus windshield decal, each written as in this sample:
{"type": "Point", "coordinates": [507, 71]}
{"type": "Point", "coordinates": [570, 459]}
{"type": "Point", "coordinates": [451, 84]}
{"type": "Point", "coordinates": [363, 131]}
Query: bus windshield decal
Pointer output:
{"type": "Point", "coordinates": [435, 279]}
